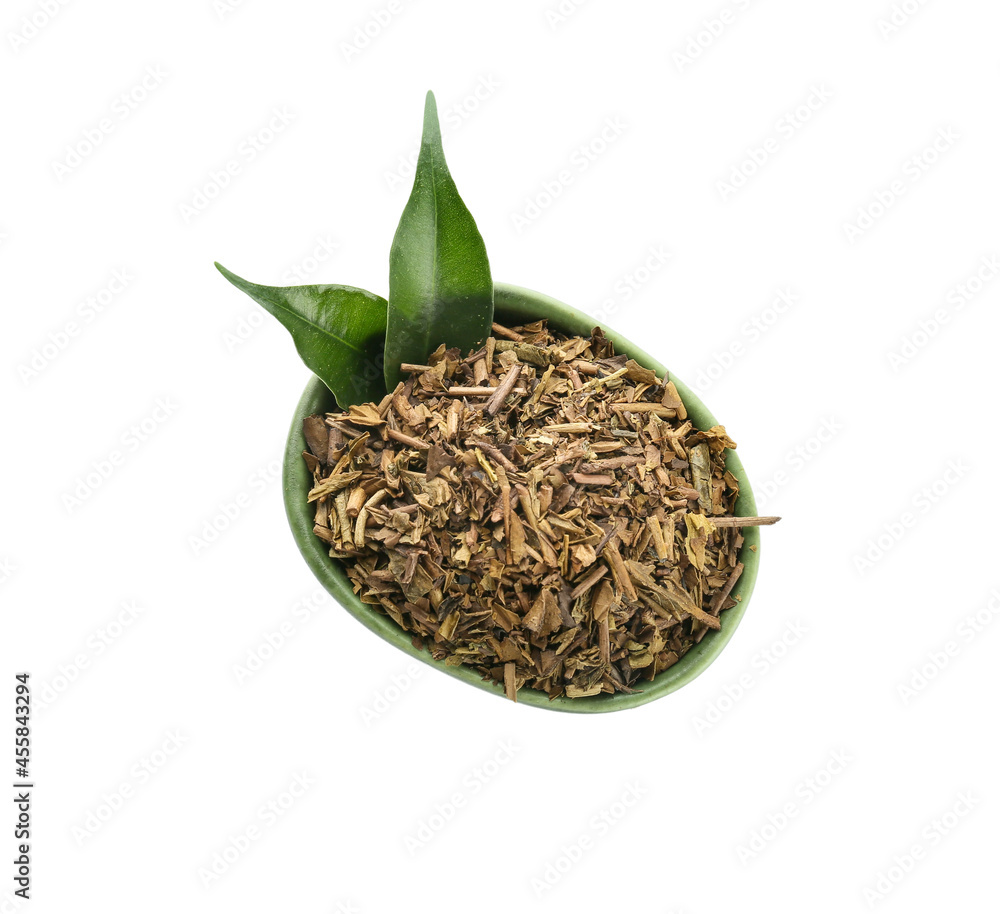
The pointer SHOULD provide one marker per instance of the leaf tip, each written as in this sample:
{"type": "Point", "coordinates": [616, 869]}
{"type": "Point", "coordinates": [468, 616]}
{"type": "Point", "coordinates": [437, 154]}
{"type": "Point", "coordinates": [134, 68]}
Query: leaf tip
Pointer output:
{"type": "Point", "coordinates": [432, 126]}
{"type": "Point", "coordinates": [237, 281]}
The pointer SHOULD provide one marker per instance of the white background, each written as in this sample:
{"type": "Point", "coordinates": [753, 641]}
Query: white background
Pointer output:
{"type": "Point", "coordinates": [882, 467]}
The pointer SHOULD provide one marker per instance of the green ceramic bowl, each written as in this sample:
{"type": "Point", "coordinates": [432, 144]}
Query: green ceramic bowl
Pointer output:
{"type": "Point", "coordinates": [515, 305]}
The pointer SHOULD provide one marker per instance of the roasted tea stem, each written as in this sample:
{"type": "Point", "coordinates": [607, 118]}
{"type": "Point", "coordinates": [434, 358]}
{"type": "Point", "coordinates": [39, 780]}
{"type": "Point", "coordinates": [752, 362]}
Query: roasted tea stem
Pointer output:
{"type": "Point", "coordinates": [744, 521]}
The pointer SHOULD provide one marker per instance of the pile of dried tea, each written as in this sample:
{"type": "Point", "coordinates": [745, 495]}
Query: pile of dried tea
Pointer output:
{"type": "Point", "coordinates": [541, 510]}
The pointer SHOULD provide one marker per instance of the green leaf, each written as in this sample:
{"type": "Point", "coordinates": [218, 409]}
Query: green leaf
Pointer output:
{"type": "Point", "coordinates": [338, 332]}
{"type": "Point", "coordinates": [440, 287]}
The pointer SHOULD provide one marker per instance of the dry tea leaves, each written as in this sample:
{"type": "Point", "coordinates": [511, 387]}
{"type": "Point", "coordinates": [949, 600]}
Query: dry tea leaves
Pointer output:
{"type": "Point", "coordinates": [541, 510]}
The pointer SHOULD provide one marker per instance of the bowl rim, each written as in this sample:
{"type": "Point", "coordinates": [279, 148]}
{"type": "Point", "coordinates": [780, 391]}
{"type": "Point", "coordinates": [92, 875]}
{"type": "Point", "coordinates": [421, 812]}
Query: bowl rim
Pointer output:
{"type": "Point", "coordinates": [517, 304]}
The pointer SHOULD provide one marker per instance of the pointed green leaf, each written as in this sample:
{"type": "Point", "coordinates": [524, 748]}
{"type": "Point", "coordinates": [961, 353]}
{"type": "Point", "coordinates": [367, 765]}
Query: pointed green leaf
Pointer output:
{"type": "Point", "coordinates": [440, 287]}
{"type": "Point", "coordinates": [338, 332]}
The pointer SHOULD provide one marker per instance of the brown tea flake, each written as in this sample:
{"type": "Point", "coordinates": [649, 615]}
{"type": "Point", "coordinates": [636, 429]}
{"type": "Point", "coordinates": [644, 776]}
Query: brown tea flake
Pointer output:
{"type": "Point", "coordinates": [542, 511]}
